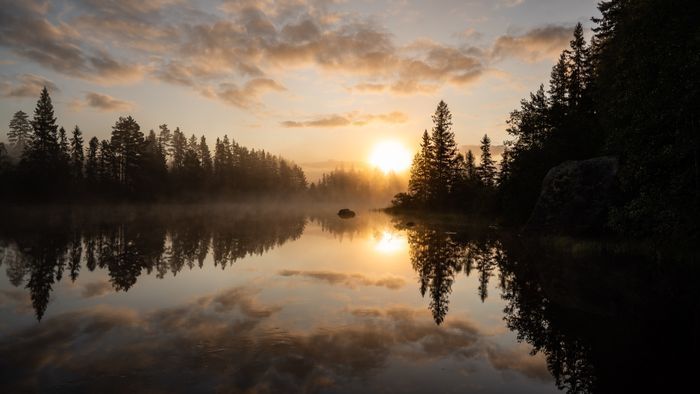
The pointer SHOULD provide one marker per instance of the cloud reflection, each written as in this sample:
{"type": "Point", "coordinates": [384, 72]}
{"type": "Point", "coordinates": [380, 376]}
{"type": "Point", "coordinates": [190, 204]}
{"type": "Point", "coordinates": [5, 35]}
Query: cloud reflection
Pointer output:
{"type": "Point", "coordinates": [229, 340]}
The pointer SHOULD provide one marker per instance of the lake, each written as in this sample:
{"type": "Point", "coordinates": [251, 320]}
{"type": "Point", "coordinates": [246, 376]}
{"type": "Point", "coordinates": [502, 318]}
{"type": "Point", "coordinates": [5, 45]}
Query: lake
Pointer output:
{"type": "Point", "coordinates": [252, 299]}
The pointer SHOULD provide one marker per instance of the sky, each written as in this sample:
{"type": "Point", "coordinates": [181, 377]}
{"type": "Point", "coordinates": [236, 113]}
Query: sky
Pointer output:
{"type": "Point", "coordinates": [317, 81]}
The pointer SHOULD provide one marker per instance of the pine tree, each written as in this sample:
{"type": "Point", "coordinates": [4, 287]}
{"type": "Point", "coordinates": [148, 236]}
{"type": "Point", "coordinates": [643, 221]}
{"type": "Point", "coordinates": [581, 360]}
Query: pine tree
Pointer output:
{"type": "Point", "coordinates": [487, 168]}
{"type": "Point", "coordinates": [611, 11]}
{"type": "Point", "coordinates": [126, 143]}
{"type": "Point", "coordinates": [77, 154]}
{"type": "Point", "coordinates": [92, 164]}
{"type": "Point", "coordinates": [470, 167]}
{"type": "Point", "coordinates": [43, 149]}
{"type": "Point", "coordinates": [558, 88]}
{"type": "Point", "coordinates": [530, 124]}
{"type": "Point", "coordinates": [419, 182]}
{"type": "Point", "coordinates": [205, 158]}
{"type": "Point", "coordinates": [107, 165]}
{"type": "Point", "coordinates": [153, 170]}
{"type": "Point", "coordinates": [165, 139]}
{"type": "Point", "coordinates": [580, 67]}
{"type": "Point", "coordinates": [62, 164]}
{"type": "Point", "coordinates": [20, 133]}
{"type": "Point", "coordinates": [179, 147]}
{"type": "Point", "coordinates": [444, 159]}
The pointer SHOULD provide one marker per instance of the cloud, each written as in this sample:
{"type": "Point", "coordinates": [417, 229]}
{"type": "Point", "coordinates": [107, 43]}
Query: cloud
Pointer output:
{"type": "Point", "coordinates": [509, 3]}
{"type": "Point", "coordinates": [96, 289]}
{"type": "Point", "coordinates": [248, 95]}
{"type": "Point", "coordinates": [19, 299]}
{"type": "Point", "coordinates": [242, 298]}
{"type": "Point", "coordinates": [348, 119]}
{"type": "Point", "coordinates": [348, 280]}
{"type": "Point", "coordinates": [29, 33]}
{"type": "Point", "coordinates": [26, 85]}
{"type": "Point", "coordinates": [215, 346]}
{"type": "Point", "coordinates": [537, 44]}
{"type": "Point", "coordinates": [240, 53]}
{"type": "Point", "coordinates": [102, 102]}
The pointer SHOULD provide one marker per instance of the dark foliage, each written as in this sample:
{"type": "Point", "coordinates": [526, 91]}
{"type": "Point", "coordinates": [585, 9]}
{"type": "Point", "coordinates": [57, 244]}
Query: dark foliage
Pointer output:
{"type": "Point", "coordinates": [130, 166]}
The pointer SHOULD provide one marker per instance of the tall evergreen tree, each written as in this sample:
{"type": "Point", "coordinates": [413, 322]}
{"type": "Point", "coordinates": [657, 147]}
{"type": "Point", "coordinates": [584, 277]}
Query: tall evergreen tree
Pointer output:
{"type": "Point", "coordinates": [179, 148]}
{"type": "Point", "coordinates": [107, 165]}
{"type": "Point", "coordinates": [558, 88]}
{"type": "Point", "coordinates": [470, 167]}
{"type": "Point", "coordinates": [165, 139]}
{"type": "Point", "coordinates": [487, 167]}
{"type": "Point", "coordinates": [92, 164]}
{"type": "Point", "coordinates": [580, 68]}
{"type": "Point", "coordinates": [419, 181]}
{"type": "Point", "coordinates": [205, 158]}
{"type": "Point", "coordinates": [43, 149]}
{"type": "Point", "coordinates": [77, 154]}
{"type": "Point", "coordinates": [444, 164]}
{"type": "Point", "coordinates": [20, 133]}
{"type": "Point", "coordinates": [126, 143]}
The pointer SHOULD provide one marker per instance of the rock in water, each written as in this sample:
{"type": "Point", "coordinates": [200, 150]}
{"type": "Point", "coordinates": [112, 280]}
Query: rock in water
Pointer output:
{"type": "Point", "coordinates": [576, 197]}
{"type": "Point", "coordinates": [346, 213]}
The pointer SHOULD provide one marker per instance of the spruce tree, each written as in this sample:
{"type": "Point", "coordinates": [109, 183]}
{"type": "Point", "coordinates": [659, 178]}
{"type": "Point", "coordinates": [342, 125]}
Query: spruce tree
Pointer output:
{"type": "Point", "coordinates": [43, 150]}
{"type": "Point", "coordinates": [205, 158]}
{"type": "Point", "coordinates": [580, 67]}
{"type": "Point", "coordinates": [487, 167]}
{"type": "Point", "coordinates": [76, 153]}
{"type": "Point", "coordinates": [470, 167]}
{"type": "Point", "coordinates": [126, 143]}
{"type": "Point", "coordinates": [92, 164]}
{"type": "Point", "coordinates": [419, 181]}
{"type": "Point", "coordinates": [20, 133]}
{"type": "Point", "coordinates": [444, 158]}
{"type": "Point", "coordinates": [558, 88]}
{"type": "Point", "coordinates": [165, 139]}
{"type": "Point", "coordinates": [179, 148]}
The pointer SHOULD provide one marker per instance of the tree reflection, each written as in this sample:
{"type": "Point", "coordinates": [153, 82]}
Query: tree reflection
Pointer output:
{"type": "Point", "coordinates": [606, 320]}
{"type": "Point", "coordinates": [128, 244]}
{"type": "Point", "coordinates": [438, 255]}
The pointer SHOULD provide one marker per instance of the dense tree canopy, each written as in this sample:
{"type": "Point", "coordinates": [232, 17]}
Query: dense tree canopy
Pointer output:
{"type": "Point", "coordinates": [131, 165]}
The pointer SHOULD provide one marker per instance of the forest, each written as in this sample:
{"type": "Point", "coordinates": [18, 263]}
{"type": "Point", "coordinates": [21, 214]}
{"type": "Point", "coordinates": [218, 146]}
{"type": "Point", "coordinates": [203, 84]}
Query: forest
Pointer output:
{"type": "Point", "coordinates": [631, 93]}
{"type": "Point", "coordinates": [43, 163]}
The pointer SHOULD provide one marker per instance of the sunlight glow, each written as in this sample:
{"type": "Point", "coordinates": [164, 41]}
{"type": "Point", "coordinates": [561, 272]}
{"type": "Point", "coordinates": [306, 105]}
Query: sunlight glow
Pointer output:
{"type": "Point", "coordinates": [390, 156]}
{"type": "Point", "coordinates": [389, 242]}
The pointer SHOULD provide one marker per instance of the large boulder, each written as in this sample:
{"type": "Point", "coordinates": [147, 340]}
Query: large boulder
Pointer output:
{"type": "Point", "coordinates": [576, 197]}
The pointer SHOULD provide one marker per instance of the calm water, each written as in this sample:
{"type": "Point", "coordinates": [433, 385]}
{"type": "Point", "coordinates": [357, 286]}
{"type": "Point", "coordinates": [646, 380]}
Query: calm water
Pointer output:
{"type": "Point", "coordinates": [261, 300]}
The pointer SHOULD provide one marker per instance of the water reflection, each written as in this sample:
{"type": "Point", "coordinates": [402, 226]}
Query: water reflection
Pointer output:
{"type": "Point", "coordinates": [129, 243]}
{"type": "Point", "coordinates": [601, 316]}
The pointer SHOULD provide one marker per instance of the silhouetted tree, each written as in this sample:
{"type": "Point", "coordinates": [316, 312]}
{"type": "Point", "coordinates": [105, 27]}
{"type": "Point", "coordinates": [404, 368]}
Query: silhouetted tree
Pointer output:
{"type": "Point", "coordinates": [421, 171]}
{"type": "Point", "coordinates": [92, 165]}
{"type": "Point", "coordinates": [126, 143]}
{"type": "Point", "coordinates": [470, 167]}
{"type": "Point", "coordinates": [487, 168]}
{"type": "Point", "coordinates": [20, 134]}
{"type": "Point", "coordinates": [444, 158]}
{"type": "Point", "coordinates": [77, 155]}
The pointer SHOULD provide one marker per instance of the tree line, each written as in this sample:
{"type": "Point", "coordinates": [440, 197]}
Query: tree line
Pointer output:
{"type": "Point", "coordinates": [43, 162]}
{"type": "Point", "coordinates": [632, 93]}
{"type": "Point", "coordinates": [441, 177]}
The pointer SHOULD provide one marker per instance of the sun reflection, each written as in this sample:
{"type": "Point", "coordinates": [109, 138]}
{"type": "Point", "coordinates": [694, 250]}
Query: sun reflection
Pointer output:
{"type": "Point", "coordinates": [389, 242]}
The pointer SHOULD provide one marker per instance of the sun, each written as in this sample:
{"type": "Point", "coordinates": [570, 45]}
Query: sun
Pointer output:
{"type": "Point", "coordinates": [390, 156]}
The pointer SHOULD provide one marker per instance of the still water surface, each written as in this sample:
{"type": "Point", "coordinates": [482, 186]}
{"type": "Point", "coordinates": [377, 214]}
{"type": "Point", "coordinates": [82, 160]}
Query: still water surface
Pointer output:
{"type": "Point", "coordinates": [263, 300]}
